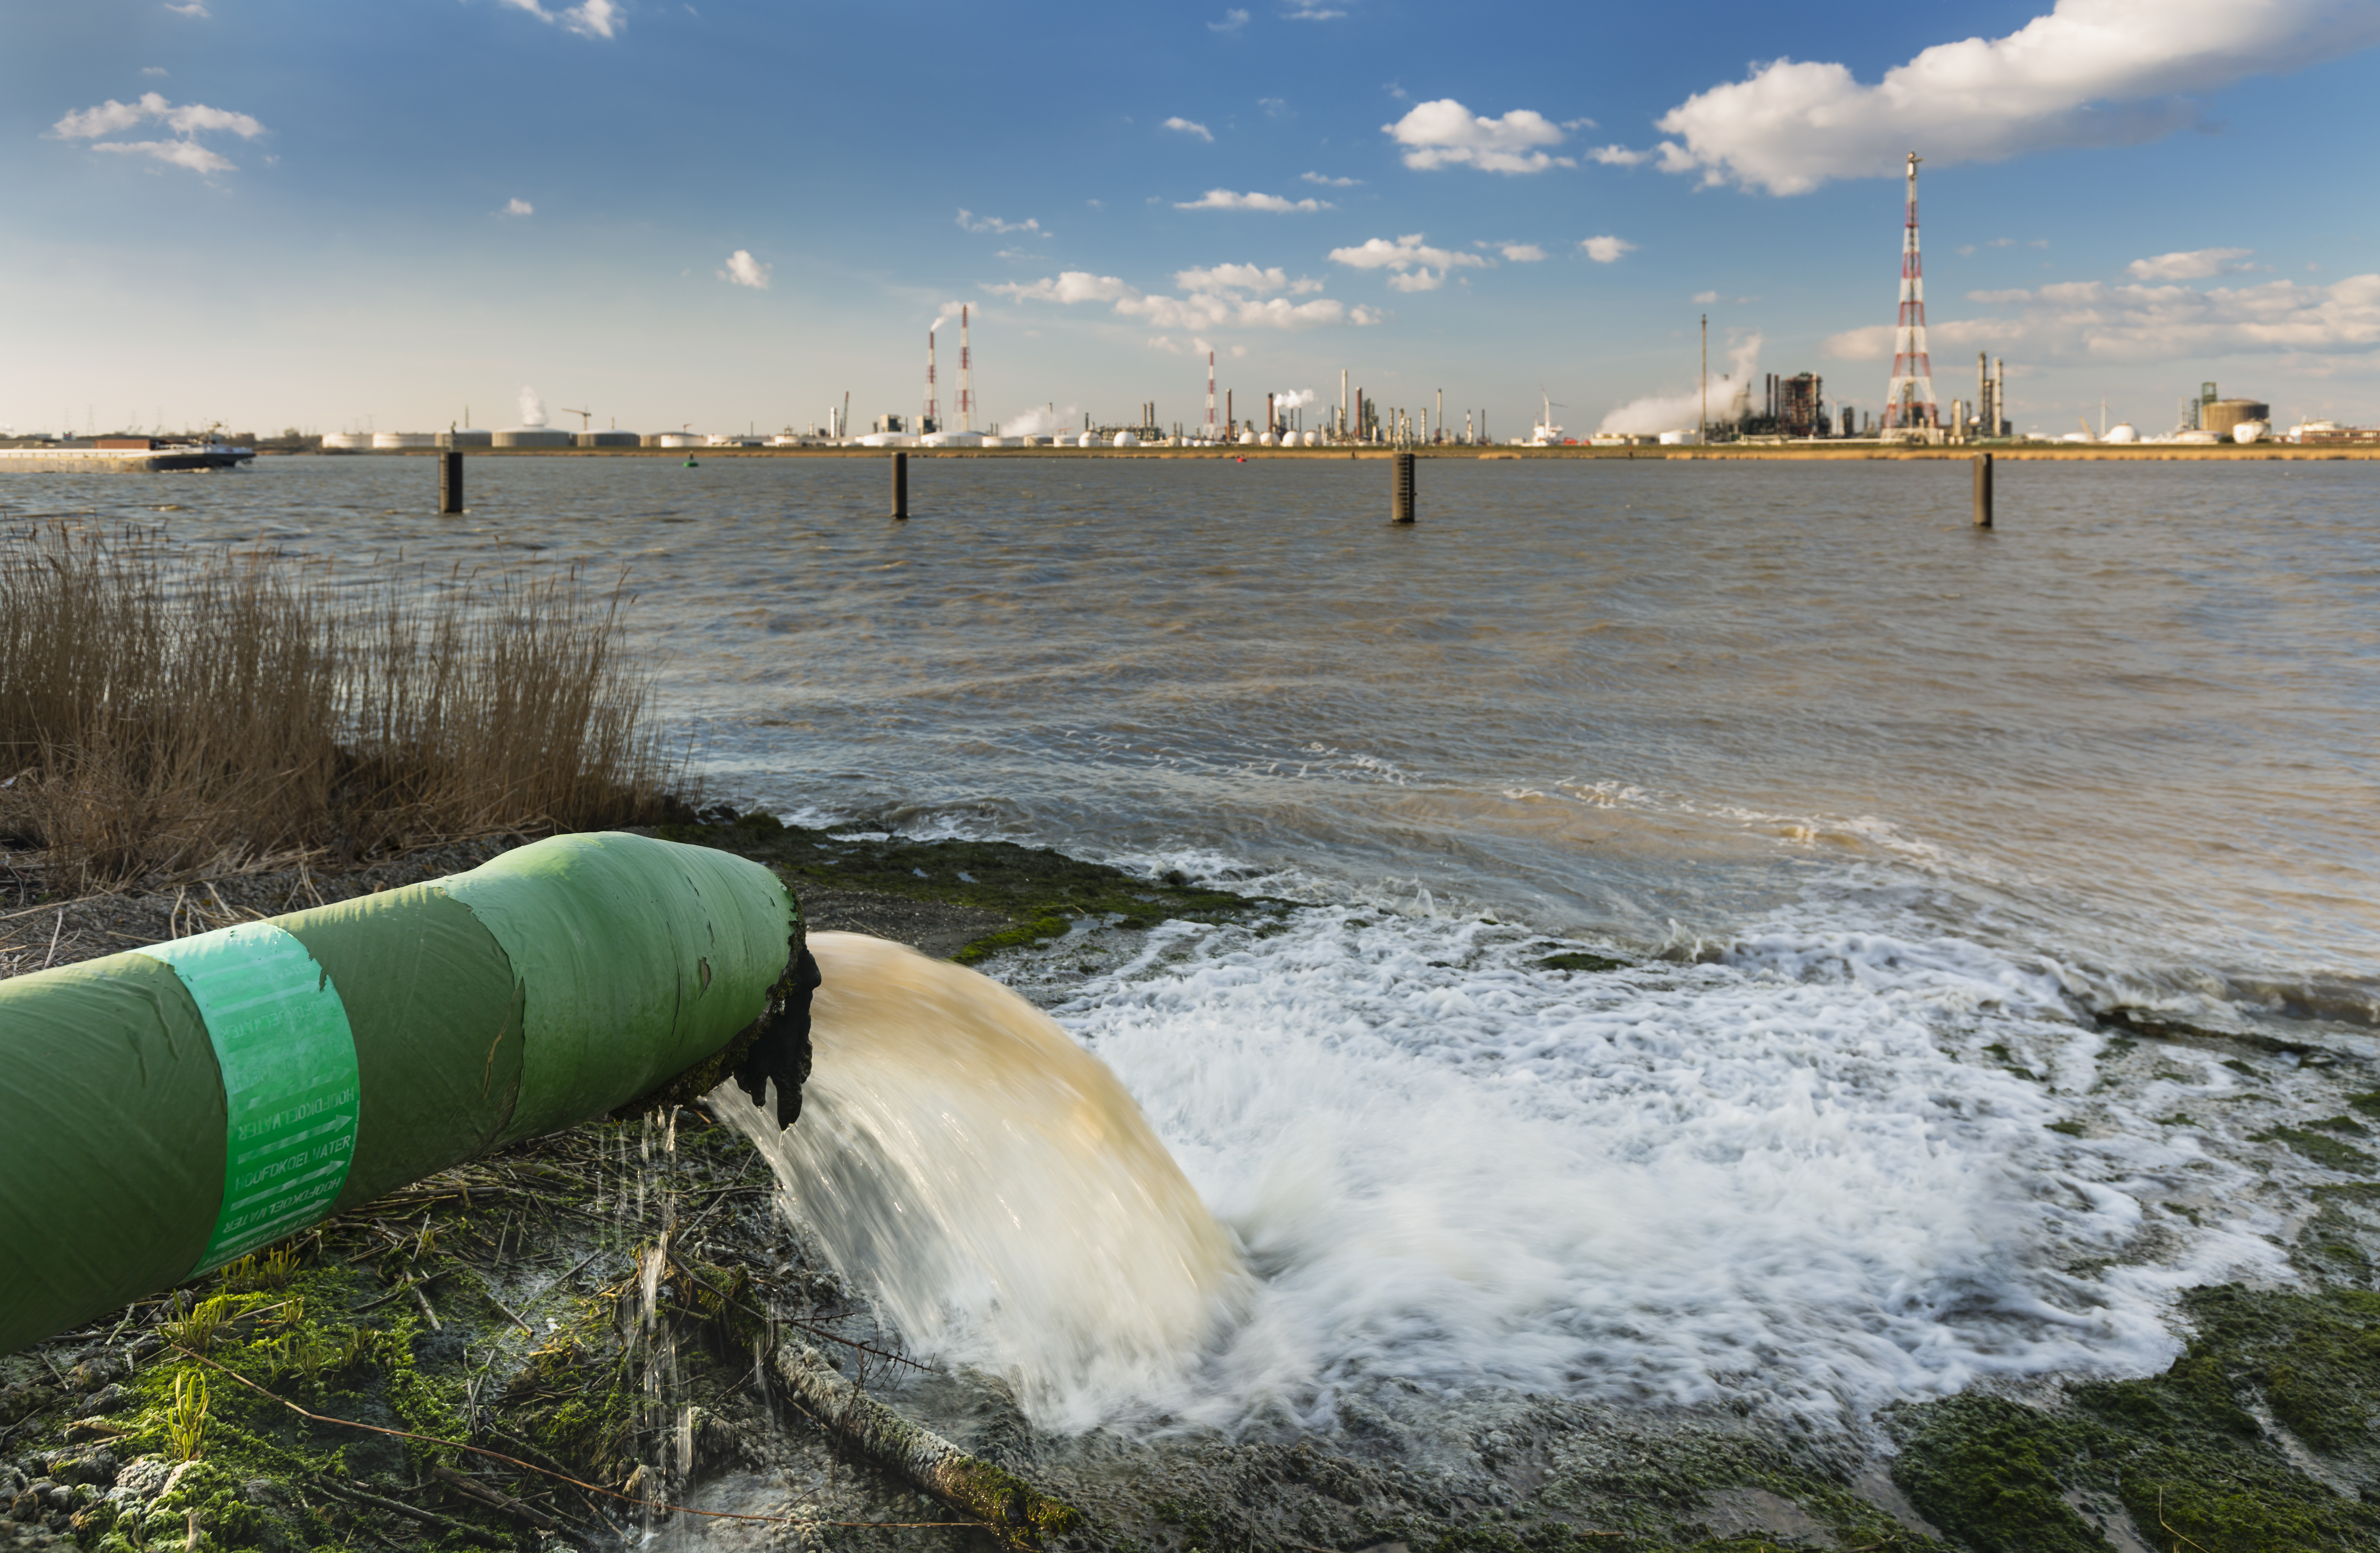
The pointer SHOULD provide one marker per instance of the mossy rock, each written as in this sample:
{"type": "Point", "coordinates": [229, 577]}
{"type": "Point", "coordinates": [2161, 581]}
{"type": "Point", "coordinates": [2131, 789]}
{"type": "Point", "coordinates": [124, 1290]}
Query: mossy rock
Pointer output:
{"type": "Point", "coordinates": [2181, 1453]}
{"type": "Point", "coordinates": [1044, 892]}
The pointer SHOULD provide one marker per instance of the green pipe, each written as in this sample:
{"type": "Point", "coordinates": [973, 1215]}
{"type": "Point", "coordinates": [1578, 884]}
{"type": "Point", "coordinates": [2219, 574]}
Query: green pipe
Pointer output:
{"type": "Point", "coordinates": [168, 1110]}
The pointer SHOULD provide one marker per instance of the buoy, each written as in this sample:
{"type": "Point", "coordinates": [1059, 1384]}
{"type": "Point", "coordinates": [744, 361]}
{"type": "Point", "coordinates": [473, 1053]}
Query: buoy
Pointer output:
{"type": "Point", "coordinates": [691, 463]}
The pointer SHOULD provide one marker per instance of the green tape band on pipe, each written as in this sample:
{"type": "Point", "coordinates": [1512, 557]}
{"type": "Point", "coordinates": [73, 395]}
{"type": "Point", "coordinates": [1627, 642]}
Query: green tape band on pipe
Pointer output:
{"type": "Point", "coordinates": [288, 1062]}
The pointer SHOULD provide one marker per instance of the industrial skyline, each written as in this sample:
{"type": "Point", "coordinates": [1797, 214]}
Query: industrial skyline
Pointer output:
{"type": "Point", "coordinates": [714, 216]}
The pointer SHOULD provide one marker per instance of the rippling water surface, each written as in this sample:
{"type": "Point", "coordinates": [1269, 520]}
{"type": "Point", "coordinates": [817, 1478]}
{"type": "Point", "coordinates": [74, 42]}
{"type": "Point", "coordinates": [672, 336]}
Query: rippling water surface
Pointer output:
{"type": "Point", "coordinates": [1911, 792]}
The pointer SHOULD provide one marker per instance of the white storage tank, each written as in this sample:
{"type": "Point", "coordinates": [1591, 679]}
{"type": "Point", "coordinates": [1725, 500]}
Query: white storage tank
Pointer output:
{"type": "Point", "coordinates": [2124, 431]}
{"type": "Point", "coordinates": [532, 436]}
{"type": "Point", "coordinates": [1086, 440]}
{"type": "Point", "coordinates": [385, 440]}
{"type": "Point", "coordinates": [1126, 439]}
{"type": "Point", "coordinates": [345, 442]}
{"type": "Point", "coordinates": [606, 438]}
{"type": "Point", "coordinates": [2250, 432]}
{"type": "Point", "coordinates": [465, 438]}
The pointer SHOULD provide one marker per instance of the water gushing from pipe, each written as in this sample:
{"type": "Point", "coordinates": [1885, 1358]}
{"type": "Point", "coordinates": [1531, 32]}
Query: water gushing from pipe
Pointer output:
{"type": "Point", "coordinates": [991, 1185]}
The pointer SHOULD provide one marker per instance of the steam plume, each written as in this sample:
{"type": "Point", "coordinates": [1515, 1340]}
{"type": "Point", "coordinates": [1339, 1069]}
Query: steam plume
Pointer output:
{"type": "Point", "coordinates": [1730, 399]}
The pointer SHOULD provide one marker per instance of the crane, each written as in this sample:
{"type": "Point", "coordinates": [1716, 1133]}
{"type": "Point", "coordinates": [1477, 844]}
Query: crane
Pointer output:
{"type": "Point", "coordinates": [586, 417]}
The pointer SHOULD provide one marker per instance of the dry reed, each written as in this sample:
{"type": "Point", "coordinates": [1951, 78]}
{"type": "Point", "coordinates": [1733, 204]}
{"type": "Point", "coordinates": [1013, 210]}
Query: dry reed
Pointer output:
{"type": "Point", "coordinates": [166, 711]}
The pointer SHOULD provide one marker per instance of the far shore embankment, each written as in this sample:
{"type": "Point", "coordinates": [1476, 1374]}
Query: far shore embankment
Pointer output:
{"type": "Point", "coordinates": [2135, 453]}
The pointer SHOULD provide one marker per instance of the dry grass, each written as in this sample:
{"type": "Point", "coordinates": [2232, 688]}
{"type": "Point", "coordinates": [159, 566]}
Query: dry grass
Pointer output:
{"type": "Point", "coordinates": [165, 712]}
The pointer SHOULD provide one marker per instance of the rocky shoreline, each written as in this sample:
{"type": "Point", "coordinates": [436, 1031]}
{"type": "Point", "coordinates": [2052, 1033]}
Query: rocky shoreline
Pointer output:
{"type": "Point", "coordinates": [532, 1350]}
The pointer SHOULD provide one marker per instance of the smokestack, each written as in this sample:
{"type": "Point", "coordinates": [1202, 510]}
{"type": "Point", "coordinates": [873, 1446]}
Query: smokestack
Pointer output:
{"type": "Point", "coordinates": [927, 422]}
{"type": "Point", "coordinates": [1210, 396]}
{"type": "Point", "coordinates": [1270, 423]}
{"type": "Point", "coordinates": [967, 378]}
{"type": "Point", "coordinates": [1343, 401]}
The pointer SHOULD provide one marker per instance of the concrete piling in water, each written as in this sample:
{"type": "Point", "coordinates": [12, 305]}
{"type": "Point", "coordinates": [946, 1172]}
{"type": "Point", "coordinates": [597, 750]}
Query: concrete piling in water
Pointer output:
{"type": "Point", "coordinates": [1401, 493]}
{"type": "Point", "coordinates": [450, 482]}
{"type": "Point", "coordinates": [901, 485]}
{"type": "Point", "coordinates": [1983, 491]}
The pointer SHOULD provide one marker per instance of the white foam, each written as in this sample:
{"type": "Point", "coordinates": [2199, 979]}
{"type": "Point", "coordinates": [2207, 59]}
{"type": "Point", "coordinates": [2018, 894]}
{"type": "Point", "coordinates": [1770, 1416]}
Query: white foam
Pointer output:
{"type": "Point", "coordinates": [1767, 1182]}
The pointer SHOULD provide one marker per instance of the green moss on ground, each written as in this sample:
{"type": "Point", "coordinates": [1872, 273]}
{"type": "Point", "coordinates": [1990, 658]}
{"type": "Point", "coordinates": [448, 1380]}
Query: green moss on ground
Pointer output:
{"type": "Point", "coordinates": [2327, 1152]}
{"type": "Point", "coordinates": [2182, 1454]}
{"type": "Point", "coordinates": [1044, 892]}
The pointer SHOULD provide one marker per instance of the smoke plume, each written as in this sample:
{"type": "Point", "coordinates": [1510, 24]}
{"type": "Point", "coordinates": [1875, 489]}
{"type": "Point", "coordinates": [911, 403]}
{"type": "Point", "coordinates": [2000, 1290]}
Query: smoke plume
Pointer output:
{"type": "Point", "coordinates": [532, 408]}
{"type": "Point", "coordinates": [1730, 399]}
{"type": "Point", "coordinates": [1040, 421]}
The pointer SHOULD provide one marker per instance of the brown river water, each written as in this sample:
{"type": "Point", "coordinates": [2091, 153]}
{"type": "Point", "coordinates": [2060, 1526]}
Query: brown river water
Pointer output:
{"type": "Point", "coordinates": [1869, 792]}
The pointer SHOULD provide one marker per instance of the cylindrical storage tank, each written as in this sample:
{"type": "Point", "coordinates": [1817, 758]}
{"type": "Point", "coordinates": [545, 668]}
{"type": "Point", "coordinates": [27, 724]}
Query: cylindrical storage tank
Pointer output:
{"type": "Point", "coordinates": [1264, 438]}
{"type": "Point", "coordinates": [678, 439]}
{"type": "Point", "coordinates": [1126, 439]}
{"type": "Point", "coordinates": [466, 439]}
{"type": "Point", "coordinates": [532, 436]}
{"type": "Point", "coordinates": [172, 1108]}
{"type": "Point", "coordinates": [345, 442]}
{"type": "Point", "coordinates": [1311, 438]}
{"type": "Point", "coordinates": [1086, 440]}
{"type": "Point", "coordinates": [2224, 413]}
{"type": "Point", "coordinates": [606, 438]}
{"type": "Point", "coordinates": [2250, 432]}
{"type": "Point", "coordinates": [385, 440]}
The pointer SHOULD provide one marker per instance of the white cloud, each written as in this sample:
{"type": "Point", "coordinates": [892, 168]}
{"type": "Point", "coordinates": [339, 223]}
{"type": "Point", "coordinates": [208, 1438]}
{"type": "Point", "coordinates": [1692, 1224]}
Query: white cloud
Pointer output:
{"type": "Point", "coordinates": [1188, 126]}
{"type": "Point", "coordinates": [592, 19]}
{"type": "Point", "coordinates": [1312, 13]}
{"type": "Point", "coordinates": [1521, 253]}
{"type": "Point", "coordinates": [1073, 285]}
{"type": "Point", "coordinates": [1331, 182]}
{"type": "Point", "coordinates": [152, 70]}
{"type": "Point", "coordinates": [745, 269]}
{"type": "Point", "coordinates": [1447, 133]}
{"type": "Point", "coordinates": [2195, 265]}
{"type": "Point", "coordinates": [1217, 306]}
{"type": "Point", "coordinates": [1232, 21]}
{"type": "Point", "coordinates": [517, 207]}
{"type": "Point", "coordinates": [1224, 199]}
{"type": "Point", "coordinates": [1607, 249]}
{"type": "Point", "coordinates": [188, 118]}
{"type": "Point", "coordinates": [1243, 277]}
{"type": "Point", "coordinates": [2091, 73]}
{"type": "Point", "coordinates": [190, 9]}
{"type": "Point", "coordinates": [180, 153]}
{"type": "Point", "coordinates": [2098, 322]}
{"type": "Point", "coordinates": [1413, 264]}
{"type": "Point", "coordinates": [1405, 253]}
{"type": "Point", "coordinates": [1620, 157]}
{"type": "Point", "coordinates": [972, 223]}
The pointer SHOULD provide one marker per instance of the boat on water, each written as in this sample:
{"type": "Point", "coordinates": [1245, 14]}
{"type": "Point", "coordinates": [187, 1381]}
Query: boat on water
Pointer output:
{"type": "Point", "coordinates": [122, 456]}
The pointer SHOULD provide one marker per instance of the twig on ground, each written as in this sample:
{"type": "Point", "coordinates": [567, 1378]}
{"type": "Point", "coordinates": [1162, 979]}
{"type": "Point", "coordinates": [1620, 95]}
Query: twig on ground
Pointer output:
{"type": "Point", "coordinates": [544, 1472]}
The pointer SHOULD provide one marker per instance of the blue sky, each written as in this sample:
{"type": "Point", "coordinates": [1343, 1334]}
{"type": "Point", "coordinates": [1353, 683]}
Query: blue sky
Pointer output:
{"type": "Point", "coordinates": [376, 214]}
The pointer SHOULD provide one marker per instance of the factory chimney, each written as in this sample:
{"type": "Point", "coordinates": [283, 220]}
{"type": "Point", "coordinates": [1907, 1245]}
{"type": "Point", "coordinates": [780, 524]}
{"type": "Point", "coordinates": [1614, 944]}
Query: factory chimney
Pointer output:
{"type": "Point", "coordinates": [1210, 396]}
{"type": "Point", "coordinates": [1909, 402]}
{"type": "Point", "coordinates": [967, 376]}
{"type": "Point", "coordinates": [932, 420]}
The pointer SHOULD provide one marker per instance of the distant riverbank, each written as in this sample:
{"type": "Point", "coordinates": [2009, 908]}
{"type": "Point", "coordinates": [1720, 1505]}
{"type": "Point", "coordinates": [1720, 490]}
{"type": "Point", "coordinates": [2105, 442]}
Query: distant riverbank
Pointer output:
{"type": "Point", "coordinates": [2150, 453]}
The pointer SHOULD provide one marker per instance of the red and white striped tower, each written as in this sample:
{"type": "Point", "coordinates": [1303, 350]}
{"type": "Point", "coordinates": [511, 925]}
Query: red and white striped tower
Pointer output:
{"type": "Point", "coordinates": [933, 416]}
{"type": "Point", "coordinates": [1909, 402]}
{"type": "Point", "coordinates": [1210, 396]}
{"type": "Point", "coordinates": [966, 378]}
